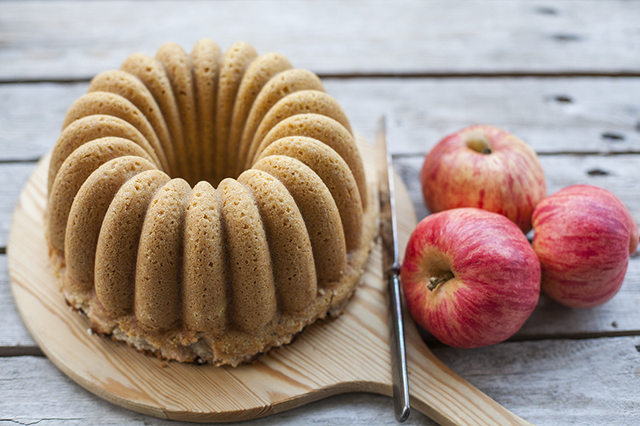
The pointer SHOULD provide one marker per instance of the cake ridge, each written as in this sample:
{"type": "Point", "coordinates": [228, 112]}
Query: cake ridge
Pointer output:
{"type": "Point", "coordinates": [279, 86]}
{"type": "Point", "coordinates": [152, 74]}
{"type": "Point", "coordinates": [206, 57]}
{"type": "Point", "coordinates": [232, 68]}
{"type": "Point", "coordinates": [177, 65]}
{"type": "Point", "coordinates": [258, 73]}
{"type": "Point", "coordinates": [117, 248]}
{"type": "Point", "coordinates": [131, 88]}
{"type": "Point", "coordinates": [74, 172]}
{"type": "Point", "coordinates": [334, 173]}
{"type": "Point", "coordinates": [318, 210]}
{"type": "Point", "coordinates": [89, 128]}
{"type": "Point", "coordinates": [86, 215]}
{"type": "Point", "coordinates": [205, 276]}
{"type": "Point", "coordinates": [118, 106]}
{"type": "Point", "coordinates": [328, 131]}
{"type": "Point", "coordinates": [299, 102]}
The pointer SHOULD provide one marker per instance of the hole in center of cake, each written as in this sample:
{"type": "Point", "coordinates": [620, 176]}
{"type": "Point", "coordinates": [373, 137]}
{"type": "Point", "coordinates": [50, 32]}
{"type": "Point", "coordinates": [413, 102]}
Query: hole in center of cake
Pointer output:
{"type": "Point", "coordinates": [200, 168]}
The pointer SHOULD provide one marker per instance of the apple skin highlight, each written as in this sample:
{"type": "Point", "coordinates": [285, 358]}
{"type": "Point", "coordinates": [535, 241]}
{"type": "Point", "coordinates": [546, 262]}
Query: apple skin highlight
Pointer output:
{"type": "Point", "coordinates": [583, 236]}
{"type": "Point", "coordinates": [496, 277]}
{"type": "Point", "coordinates": [485, 167]}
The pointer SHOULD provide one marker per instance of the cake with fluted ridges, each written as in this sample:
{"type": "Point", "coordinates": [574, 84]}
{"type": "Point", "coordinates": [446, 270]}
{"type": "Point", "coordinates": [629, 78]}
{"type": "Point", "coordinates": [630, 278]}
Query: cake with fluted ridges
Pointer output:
{"type": "Point", "coordinates": [206, 207]}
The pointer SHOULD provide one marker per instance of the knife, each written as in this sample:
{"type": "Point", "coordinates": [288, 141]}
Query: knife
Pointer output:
{"type": "Point", "coordinates": [391, 272]}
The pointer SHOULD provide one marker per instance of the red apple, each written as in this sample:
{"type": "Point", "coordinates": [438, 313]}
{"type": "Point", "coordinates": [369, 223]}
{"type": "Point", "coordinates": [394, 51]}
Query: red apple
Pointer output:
{"type": "Point", "coordinates": [485, 167]}
{"type": "Point", "coordinates": [470, 277]}
{"type": "Point", "coordinates": [583, 236]}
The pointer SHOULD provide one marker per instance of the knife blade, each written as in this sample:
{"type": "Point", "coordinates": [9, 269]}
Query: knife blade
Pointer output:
{"type": "Point", "coordinates": [391, 273]}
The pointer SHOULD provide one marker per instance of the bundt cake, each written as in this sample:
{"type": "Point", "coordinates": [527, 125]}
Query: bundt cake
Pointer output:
{"type": "Point", "coordinates": [206, 207]}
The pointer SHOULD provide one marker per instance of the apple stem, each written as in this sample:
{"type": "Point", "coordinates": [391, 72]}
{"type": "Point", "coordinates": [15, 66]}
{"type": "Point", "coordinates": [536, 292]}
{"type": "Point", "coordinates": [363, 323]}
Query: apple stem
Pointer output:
{"type": "Point", "coordinates": [479, 142]}
{"type": "Point", "coordinates": [435, 281]}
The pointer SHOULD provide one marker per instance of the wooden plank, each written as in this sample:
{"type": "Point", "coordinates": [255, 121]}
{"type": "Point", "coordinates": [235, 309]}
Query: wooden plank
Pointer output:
{"type": "Point", "coordinates": [592, 381]}
{"type": "Point", "coordinates": [557, 382]}
{"type": "Point", "coordinates": [618, 316]}
{"type": "Point", "coordinates": [31, 117]}
{"type": "Point", "coordinates": [12, 178]}
{"type": "Point", "coordinates": [70, 40]}
{"type": "Point", "coordinates": [588, 115]}
{"type": "Point", "coordinates": [14, 339]}
{"type": "Point", "coordinates": [553, 115]}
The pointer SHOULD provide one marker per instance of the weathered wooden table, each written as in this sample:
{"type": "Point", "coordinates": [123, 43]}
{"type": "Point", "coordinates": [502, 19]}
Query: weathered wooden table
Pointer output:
{"type": "Point", "coordinates": [563, 75]}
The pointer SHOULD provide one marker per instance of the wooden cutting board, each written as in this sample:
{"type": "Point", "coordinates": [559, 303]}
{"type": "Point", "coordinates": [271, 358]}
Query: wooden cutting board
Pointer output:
{"type": "Point", "coordinates": [347, 354]}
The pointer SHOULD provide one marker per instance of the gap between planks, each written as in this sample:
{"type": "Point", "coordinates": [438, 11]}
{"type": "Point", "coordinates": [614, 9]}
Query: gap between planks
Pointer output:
{"type": "Point", "coordinates": [12, 351]}
{"type": "Point", "coordinates": [430, 341]}
{"type": "Point", "coordinates": [391, 75]}
{"type": "Point", "coordinates": [411, 155]}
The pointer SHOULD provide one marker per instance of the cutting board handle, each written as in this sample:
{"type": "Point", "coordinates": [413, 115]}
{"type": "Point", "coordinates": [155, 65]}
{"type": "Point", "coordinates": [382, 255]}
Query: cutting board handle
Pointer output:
{"type": "Point", "coordinates": [443, 395]}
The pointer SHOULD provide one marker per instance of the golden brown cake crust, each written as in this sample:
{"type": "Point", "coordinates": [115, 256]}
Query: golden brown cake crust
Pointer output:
{"type": "Point", "coordinates": [318, 210]}
{"type": "Point", "coordinates": [206, 274]}
{"type": "Point", "coordinates": [177, 65]}
{"type": "Point", "coordinates": [235, 346]}
{"type": "Point", "coordinates": [90, 128]}
{"type": "Point", "coordinates": [73, 173]}
{"type": "Point", "coordinates": [115, 105]}
{"type": "Point", "coordinates": [206, 58]}
{"type": "Point", "coordinates": [253, 299]}
{"type": "Point", "coordinates": [117, 249]}
{"type": "Point", "coordinates": [257, 75]}
{"type": "Point", "coordinates": [294, 271]}
{"type": "Point", "coordinates": [128, 86]}
{"type": "Point", "coordinates": [157, 290]}
{"type": "Point", "coordinates": [334, 173]}
{"type": "Point", "coordinates": [87, 214]}
{"type": "Point", "coordinates": [329, 132]}
{"type": "Point", "coordinates": [301, 102]}
{"type": "Point", "coordinates": [279, 86]}
{"type": "Point", "coordinates": [151, 73]}
{"type": "Point", "coordinates": [234, 63]}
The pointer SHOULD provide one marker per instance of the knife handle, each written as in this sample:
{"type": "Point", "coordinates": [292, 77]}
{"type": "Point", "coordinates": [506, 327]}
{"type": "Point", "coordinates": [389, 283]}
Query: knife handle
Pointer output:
{"type": "Point", "coordinates": [398, 349]}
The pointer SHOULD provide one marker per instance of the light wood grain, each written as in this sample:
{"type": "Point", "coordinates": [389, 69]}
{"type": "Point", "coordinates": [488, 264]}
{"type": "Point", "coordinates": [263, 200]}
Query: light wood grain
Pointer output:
{"type": "Point", "coordinates": [602, 117]}
{"type": "Point", "coordinates": [77, 39]}
{"type": "Point", "coordinates": [33, 388]}
{"type": "Point", "coordinates": [348, 354]}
